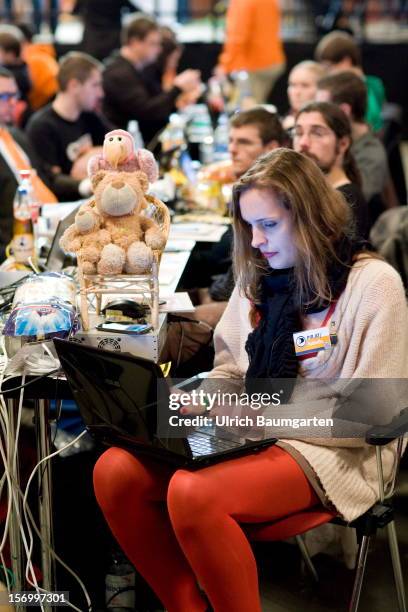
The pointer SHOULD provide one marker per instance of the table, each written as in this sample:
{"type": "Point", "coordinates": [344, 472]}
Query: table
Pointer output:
{"type": "Point", "coordinates": [42, 392]}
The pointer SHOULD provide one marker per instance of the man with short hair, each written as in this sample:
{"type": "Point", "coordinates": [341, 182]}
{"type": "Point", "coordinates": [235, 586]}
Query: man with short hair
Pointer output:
{"type": "Point", "coordinates": [338, 51]}
{"type": "Point", "coordinates": [66, 132]}
{"type": "Point", "coordinates": [349, 91]}
{"type": "Point", "coordinates": [15, 154]}
{"type": "Point", "coordinates": [253, 133]}
{"type": "Point", "coordinates": [133, 93]}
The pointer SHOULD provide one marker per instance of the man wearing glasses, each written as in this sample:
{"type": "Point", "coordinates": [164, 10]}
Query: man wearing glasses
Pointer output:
{"type": "Point", "coordinates": [322, 132]}
{"type": "Point", "coordinates": [15, 154]}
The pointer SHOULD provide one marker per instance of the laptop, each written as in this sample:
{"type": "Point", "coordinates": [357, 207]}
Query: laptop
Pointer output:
{"type": "Point", "coordinates": [56, 256]}
{"type": "Point", "coordinates": [117, 396]}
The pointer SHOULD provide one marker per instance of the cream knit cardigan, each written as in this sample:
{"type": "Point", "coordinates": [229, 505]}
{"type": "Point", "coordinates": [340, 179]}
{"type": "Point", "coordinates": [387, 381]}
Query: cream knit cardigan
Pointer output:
{"type": "Point", "coordinates": [371, 319]}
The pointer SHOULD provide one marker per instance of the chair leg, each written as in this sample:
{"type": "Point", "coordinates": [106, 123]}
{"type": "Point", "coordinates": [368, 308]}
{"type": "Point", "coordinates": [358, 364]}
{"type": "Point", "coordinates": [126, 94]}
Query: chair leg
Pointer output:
{"type": "Point", "coordinates": [396, 564]}
{"type": "Point", "coordinates": [306, 557]}
{"type": "Point", "coordinates": [358, 580]}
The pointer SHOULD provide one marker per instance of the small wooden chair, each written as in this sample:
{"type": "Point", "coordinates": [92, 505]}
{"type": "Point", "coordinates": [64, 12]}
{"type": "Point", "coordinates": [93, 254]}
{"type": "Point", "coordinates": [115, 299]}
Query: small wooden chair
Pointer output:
{"type": "Point", "coordinates": [145, 286]}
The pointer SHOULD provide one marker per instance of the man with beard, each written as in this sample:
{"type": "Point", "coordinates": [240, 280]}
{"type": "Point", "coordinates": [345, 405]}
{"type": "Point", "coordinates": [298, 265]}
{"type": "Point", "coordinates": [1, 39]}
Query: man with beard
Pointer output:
{"type": "Point", "coordinates": [322, 132]}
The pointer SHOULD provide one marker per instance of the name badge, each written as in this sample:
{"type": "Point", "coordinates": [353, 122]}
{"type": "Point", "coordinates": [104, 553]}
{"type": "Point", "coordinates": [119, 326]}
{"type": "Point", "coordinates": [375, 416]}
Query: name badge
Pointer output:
{"type": "Point", "coordinates": [312, 341]}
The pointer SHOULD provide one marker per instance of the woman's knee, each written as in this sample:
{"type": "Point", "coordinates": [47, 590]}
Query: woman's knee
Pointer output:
{"type": "Point", "coordinates": [189, 498]}
{"type": "Point", "coordinates": [117, 476]}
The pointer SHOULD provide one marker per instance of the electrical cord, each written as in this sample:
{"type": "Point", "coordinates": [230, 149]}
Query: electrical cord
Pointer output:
{"type": "Point", "coordinates": [43, 460]}
{"type": "Point", "coordinates": [30, 382]}
{"type": "Point", "coordinates": [8, 452]}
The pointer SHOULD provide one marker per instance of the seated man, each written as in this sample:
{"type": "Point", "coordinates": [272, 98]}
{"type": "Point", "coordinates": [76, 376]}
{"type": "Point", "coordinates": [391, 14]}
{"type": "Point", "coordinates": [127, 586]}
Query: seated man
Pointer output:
{"type": "Point", "coordinates": [338, 51]}
{"type": "Point", "coordinates": [322, 131]}
{"type": "Point", "coordinates": [348, 91]}
{"type": "Point", "coordinates": [10, 58]}
{"type": "Point", "coordinates": [15, 154]}
{"type": "Point", "coordinates": [131, 92]}
{"type": "Point", "coordinates": [65, 132]}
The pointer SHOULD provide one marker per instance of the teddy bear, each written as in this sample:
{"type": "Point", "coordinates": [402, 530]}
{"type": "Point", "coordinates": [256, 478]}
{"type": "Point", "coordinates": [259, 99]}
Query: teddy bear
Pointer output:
{"type": "Point", "coordinates": [119, 154]}
{"type": "Point", "coordinates": [86, 238]}
{"type": "Point", "coordinates": [119, 198]}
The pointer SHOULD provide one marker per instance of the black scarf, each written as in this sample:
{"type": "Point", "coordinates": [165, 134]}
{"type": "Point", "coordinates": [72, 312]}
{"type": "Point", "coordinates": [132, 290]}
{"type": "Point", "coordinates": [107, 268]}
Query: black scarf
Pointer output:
{"type": "Point", "coordinates": [270, 347]}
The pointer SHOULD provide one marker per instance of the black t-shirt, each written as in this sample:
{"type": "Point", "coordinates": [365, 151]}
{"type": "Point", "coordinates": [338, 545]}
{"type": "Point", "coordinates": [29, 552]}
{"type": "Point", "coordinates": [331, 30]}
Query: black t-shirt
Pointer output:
{"type": "Point", "coordinates": [59, 143]}
{"type": "Point", "coordinates": [136, 94]}
{"type": "Point", "coordinates": [354, 197]}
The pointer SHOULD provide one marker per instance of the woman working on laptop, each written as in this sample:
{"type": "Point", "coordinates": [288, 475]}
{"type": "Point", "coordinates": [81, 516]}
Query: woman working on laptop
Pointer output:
{"type": "Point", "coordinates": [298, 268]}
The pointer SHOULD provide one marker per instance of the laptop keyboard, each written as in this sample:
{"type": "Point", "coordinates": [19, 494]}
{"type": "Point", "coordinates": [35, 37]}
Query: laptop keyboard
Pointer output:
{"type": "Point", "coordinates": [202, 444]}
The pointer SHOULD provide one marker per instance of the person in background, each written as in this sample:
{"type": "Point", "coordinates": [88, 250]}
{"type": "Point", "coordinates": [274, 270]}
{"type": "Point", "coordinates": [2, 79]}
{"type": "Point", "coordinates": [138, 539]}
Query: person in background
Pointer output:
{"type": "Point", "coordinates": [252, 43]}
{"type": "Point", "coordinates": [348, 90]}
{"type": "Point", "coordinates": [36, 14]}
{"type": "Point", "coordinates": [322, 132]}
{"type": "Point", "coordinates": [131, 92]}
{"type": "Point", "coordinates": [338, 52]}
{"type": "Point", "coordinates": [42, 67]}
{"type": "Point", "coordinates": [167, 62]}
{"type": "Point", "coordinates": [302, 87]}
{"type": "Point", "coordinates": [164, 69]}
{"type": "Point", "coordinates": [10, 58]}
{"type": "Point", "coordinates": [67, 131]}
{"type": "Point", "coordinates": [187, 531]}
{"type": "Point", "coordinates": [16, 153]}
{"type": "Point", "coordinates": [102, 25]}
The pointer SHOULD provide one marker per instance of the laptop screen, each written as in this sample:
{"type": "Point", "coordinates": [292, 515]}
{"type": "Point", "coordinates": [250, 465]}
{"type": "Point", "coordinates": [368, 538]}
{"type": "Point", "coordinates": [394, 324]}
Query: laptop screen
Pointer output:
{"type": "Point", "coordinates": [56, 256]}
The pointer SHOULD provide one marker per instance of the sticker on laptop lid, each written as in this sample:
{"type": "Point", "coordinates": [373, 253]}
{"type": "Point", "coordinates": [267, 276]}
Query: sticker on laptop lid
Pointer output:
{"type": "Point", "coordinates": [312, 341]}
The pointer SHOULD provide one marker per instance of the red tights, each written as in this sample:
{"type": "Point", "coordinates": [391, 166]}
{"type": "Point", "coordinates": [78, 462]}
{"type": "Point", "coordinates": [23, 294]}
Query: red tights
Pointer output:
{"type": "Point", "coordinates": [180, 527]}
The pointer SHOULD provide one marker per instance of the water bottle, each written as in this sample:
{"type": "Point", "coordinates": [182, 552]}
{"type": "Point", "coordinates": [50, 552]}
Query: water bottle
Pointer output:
{"type": "Point", "coordinates": [245, 98]}
{"type": "Point", "coordinates": [221, 137]}
{"type": "Point", "coordinates": [200, 134]}
{"type": "Point", "coordinates": [35, 205]}
{"type": "Point", "coordinates": [134, 130]}
{"type": "Point", "coordinates": [173, 135]}
{"type": "Point", "coordinates": [120, 585]}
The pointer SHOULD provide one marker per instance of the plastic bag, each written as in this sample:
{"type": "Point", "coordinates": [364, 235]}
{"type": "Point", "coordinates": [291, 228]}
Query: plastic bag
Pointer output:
{"type": "Point", "coordinates": [43, 307]}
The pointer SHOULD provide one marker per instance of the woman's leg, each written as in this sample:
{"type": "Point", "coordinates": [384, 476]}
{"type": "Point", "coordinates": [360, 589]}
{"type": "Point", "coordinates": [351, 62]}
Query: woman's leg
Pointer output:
{"type": "Point", "coordinates": [131, 492]}
{"type": "Point", "coordinates": [207, 506]}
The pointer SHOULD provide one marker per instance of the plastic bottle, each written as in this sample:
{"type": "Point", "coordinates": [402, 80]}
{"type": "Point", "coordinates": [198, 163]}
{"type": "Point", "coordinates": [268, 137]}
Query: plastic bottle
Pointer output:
{"type": "Point", "coordinates": [173, 135]}
{"type": "Point", "coordinates": [244, 99]}
{"type": "Point", "coordinates": [221, 136]}
{"type": "Point", "coordinates": [134, 130]}
{"type": "Point", "coordinates": [23, 231]}
{"type": "Point", "coordinates": [201, 135]}
{"type": "Point", "coordinates": [120, 585]}
{"type": "Point", "coordinates": [35, 205]}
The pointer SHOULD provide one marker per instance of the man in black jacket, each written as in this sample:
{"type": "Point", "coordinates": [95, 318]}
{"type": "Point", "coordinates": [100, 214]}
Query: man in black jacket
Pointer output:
{"type": "Point", "coordinates": [133, 93]}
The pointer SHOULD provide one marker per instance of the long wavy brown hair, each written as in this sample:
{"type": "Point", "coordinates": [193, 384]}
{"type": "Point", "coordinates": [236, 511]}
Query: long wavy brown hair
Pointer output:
{"type": "Point", "coordinates": [321, 218]}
